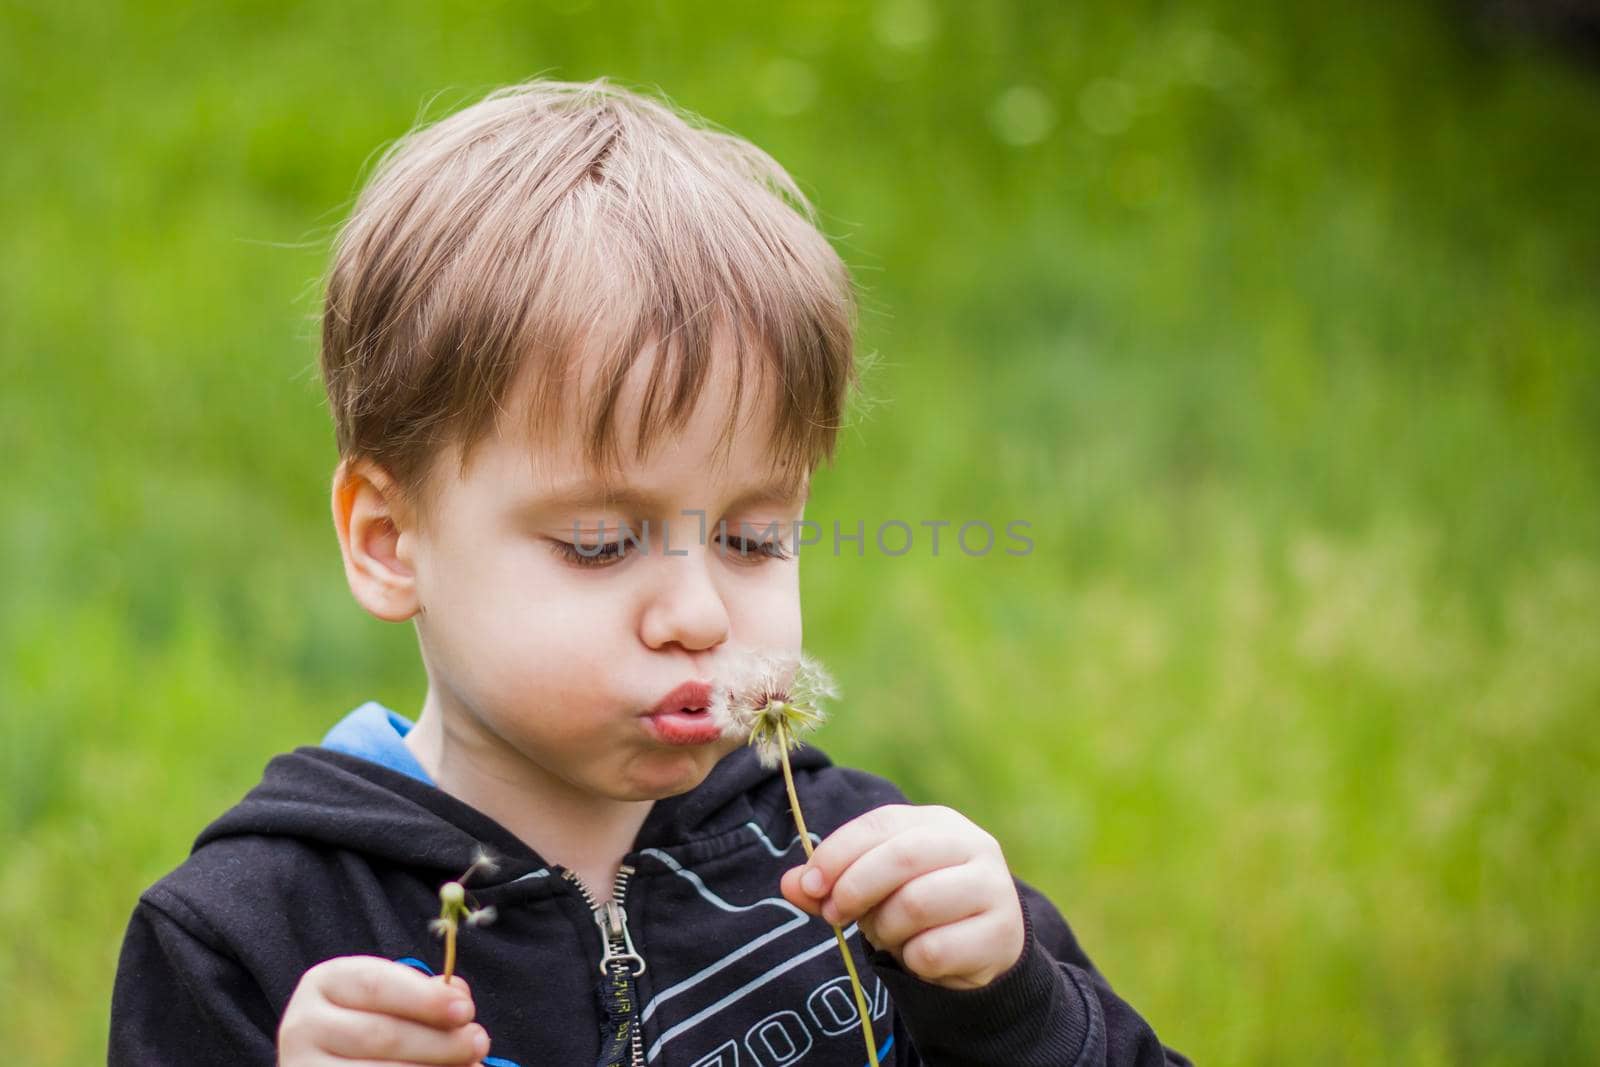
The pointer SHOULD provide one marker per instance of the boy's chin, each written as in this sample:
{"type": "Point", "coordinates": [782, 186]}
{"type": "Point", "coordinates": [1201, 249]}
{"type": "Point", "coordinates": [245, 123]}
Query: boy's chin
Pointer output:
{"type": "Point", "coordinates": [659, 778]}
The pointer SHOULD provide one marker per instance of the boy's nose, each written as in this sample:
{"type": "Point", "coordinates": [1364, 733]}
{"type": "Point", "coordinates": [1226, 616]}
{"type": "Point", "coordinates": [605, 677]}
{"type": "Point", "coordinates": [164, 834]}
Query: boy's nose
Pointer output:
{"type": "Point", "coordinates": [685, 605]}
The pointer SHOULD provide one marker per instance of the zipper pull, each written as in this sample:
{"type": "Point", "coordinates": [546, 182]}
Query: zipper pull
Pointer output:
{"type": "Point", "coordinates": [613, 923]}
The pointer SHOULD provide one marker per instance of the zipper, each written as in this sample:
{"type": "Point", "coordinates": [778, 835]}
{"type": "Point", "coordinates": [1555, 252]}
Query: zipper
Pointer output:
{"type": "Point", "coordinates": [620, 964]}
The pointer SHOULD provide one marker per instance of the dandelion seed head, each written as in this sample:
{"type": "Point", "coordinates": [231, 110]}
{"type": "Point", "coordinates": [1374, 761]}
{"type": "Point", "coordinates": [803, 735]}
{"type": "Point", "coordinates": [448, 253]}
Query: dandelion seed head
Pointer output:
{"type": "Point", "coordinates": [772, 696]}
{"type": "Point", "coordinates": [452, 894]}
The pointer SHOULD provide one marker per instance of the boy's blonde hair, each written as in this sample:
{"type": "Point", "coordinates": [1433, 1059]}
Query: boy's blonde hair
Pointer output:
{"type": "Point", "coordinates": [557, 219]}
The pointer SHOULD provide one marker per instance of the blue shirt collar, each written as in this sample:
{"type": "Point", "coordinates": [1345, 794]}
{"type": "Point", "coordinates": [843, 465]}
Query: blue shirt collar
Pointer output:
{"type": "Point", "coordinates": [373, 732]}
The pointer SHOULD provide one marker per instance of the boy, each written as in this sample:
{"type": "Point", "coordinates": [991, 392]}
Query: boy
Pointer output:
{"type": "Point", "coordinates": [557, 318]}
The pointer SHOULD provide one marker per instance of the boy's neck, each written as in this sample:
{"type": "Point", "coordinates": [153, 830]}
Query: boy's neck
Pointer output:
{"type": "Point", "coordinates": [562, 825]}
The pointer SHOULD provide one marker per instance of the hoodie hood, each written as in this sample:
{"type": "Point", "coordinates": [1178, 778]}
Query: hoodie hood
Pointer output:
{"type": "Point", "coordinates": [328, 798]}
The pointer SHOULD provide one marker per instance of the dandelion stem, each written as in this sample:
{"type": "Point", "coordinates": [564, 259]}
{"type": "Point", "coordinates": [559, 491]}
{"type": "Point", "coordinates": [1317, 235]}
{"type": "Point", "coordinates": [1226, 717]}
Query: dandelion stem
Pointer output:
{"type": "Point", "coordinates": [838, 934]}
{"type": "Point", "coordinates": [449, 952]}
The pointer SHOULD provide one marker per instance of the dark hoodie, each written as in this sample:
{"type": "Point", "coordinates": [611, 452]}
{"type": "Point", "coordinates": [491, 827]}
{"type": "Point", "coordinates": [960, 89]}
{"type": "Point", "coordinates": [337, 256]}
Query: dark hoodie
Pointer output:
{"type": "Point", "coordinates": [333, 855]}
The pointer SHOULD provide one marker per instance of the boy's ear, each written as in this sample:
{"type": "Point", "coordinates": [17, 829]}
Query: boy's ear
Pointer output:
{"type": "Point", "coordinates": [374, 535]}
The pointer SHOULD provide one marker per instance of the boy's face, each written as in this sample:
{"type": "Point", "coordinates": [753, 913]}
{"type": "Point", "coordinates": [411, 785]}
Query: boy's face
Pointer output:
{"type": "Point", "coordinates": [543, 668]}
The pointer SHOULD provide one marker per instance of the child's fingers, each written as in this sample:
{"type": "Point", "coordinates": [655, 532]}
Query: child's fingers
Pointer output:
{"type": "Point", "coordinates": [373, 984]}
{"type": "Point", "coordinates": [846, 844]}
{"type": "Point", "coordinates": [882, 870]}
{"type": "Point", "coordinates": [937, 898]}
{"type": "Point", "coordinates": [789, 886]}
{"type": "Point", "coordinates": [385, 1038]}
{"type": "Point", "coordinates": [967, 954]}
{"type": "Point", "coordinates": [340, 1061]}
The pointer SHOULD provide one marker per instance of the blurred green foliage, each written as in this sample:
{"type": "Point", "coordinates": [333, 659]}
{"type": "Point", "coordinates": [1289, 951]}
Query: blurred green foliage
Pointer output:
{"type": "Point", "coordinates": [1277, 322]}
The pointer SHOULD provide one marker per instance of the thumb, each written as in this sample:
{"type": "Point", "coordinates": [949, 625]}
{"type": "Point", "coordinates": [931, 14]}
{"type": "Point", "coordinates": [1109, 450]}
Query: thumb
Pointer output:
{"type": "Point", "coordinates": [789, 885]}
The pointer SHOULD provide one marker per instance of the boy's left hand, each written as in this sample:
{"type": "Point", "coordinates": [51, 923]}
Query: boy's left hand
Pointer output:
{"type": "Point", "coordinates": [923, 882]}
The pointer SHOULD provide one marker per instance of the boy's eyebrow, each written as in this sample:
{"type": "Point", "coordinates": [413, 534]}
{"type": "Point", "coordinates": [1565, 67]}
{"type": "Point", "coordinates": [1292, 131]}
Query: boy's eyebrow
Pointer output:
{"type": "Point", "coordinates": [587, 495]}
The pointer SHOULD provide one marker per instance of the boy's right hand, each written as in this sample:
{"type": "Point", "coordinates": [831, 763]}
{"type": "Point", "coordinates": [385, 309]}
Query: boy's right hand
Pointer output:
{"type": "Point", "coordinates": [366, 1009]}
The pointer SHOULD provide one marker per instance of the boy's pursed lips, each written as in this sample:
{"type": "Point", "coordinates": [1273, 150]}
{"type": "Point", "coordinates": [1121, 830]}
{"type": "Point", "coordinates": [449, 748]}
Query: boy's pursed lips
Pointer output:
{"type": "Point", "coordinates": [690, 696]}
{"type": "Point", "coordinates": [683, 717]}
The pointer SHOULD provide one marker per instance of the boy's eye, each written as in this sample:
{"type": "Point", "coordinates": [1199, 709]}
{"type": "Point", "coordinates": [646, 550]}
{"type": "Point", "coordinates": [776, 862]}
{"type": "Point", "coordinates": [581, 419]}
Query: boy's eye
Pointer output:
{"type": "Point", "coordinates": [607, 553]}
{"type": "Point", "coordinates": [745, 548]}
{"type": "Point", "coordinates": [599, 554]}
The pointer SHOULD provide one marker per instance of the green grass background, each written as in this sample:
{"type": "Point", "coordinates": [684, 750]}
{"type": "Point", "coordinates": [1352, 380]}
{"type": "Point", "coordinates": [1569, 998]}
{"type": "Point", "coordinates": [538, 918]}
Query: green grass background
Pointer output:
{"type": "Point", "coordinates": [1277, 322]}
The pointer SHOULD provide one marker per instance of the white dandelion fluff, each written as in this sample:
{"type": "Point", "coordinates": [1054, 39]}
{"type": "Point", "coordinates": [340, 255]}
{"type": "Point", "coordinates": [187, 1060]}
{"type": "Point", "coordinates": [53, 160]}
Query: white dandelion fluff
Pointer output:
{"type": "Point", "coordinates": [771, 699]}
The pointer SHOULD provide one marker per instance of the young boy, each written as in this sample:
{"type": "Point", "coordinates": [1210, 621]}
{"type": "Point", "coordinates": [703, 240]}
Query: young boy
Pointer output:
{"type": "Point", "coordinates": [560, 317]}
